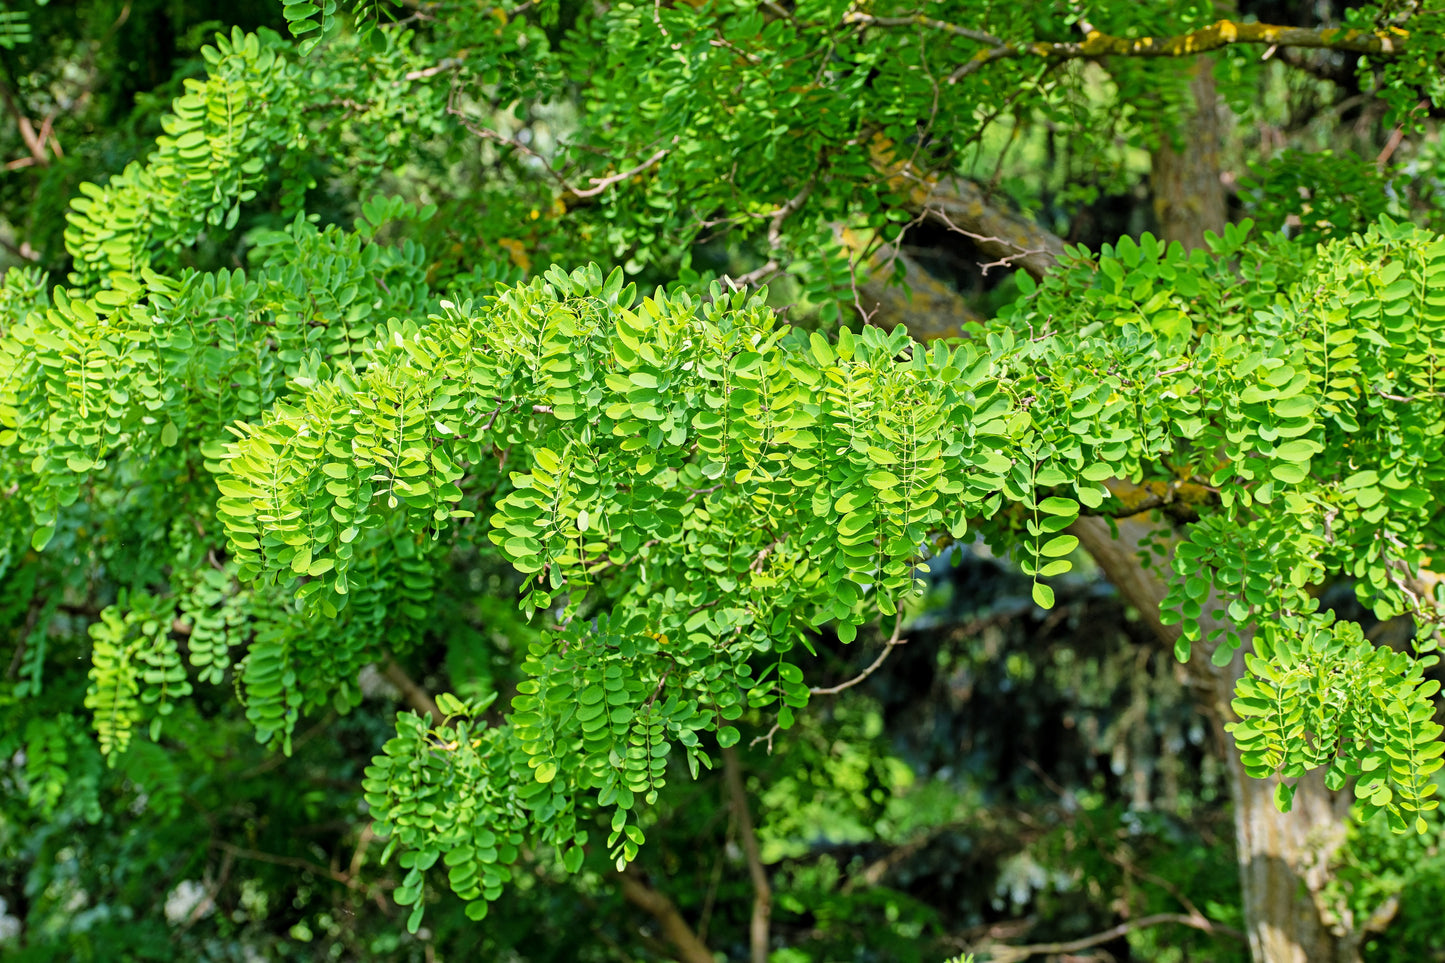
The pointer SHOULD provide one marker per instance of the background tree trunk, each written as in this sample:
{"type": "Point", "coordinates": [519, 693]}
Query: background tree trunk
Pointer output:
{"type": "Point", "coordinates": [1284, 858]}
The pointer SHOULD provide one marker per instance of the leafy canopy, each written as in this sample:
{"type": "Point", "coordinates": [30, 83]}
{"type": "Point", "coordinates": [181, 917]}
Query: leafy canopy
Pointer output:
{"type": "Point", "coordinates": [690, 486]}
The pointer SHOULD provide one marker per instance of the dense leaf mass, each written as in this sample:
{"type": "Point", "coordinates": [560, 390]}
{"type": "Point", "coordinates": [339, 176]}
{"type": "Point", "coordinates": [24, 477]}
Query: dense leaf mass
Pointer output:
{"type": "Point", "coordinates": [728, 483]}
{"type": "Point", "coordinates": [690, 487]}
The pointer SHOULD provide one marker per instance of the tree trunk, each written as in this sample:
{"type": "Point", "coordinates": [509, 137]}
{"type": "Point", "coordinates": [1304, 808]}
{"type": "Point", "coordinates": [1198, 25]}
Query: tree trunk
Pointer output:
{"type": "Point", "coordinates": [1188, 194]}
{"type": "Point", "coordinates": [1284, 858]}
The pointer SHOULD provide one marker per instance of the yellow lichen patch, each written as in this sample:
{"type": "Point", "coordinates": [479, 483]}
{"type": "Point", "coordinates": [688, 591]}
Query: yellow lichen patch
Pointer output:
{"type": "Point", "coordinates": [1137, 497]}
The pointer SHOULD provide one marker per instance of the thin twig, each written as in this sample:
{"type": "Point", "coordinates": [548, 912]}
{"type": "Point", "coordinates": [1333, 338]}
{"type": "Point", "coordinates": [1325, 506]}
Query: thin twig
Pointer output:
{"type": "Point", "coordinates": [208, 902]}
{"type": "Point", "coordinates": [601, 184]}
{"type": "Point", "coordinates": [888, 647]}
{"type": "Point", "coordinates": [1003, 953]}
{"type": "Point", "coordinates": [775, 240]}
{"type": "Point", "coordinates": [1007, 260]}
{"type": "Point", "coordinates": [294, 862]}
{"type": "Point", "coordinates": [1396, 136]}
{"type": "Point", "coordinates": [450, 63]}
{"type": "Point", "coordinates": [868, 20]}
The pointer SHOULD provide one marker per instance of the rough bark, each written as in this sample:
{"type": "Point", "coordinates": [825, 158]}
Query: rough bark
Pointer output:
{"type": "Point", "coordinates": [1188, 194]}
{"type": "Point", "coordinates": [1222, 33]}
{"type": "Point", "coordinates": [1284, 858]}
{"type": "Point", "coordinates": [758, 937]}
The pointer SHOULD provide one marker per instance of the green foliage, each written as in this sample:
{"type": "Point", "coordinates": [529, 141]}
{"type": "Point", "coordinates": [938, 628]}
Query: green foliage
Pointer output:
{"type": "Point", "coordinates": [564, 373]}
{"type": "Point", "coordinates": [1323, 696]}
{"type": "Point", "coordinates": [1380, 874]}
{"type": "Point", "coordinates": [694, 434]}
{"type": "Point", "coordinates": [274, 469]}
{"type": "Point", "coordinates": [14, 28]}
{"type": "Point", "coordinates": [1326, 195]}
{"type": "Point", "coordinates": [134, 663]}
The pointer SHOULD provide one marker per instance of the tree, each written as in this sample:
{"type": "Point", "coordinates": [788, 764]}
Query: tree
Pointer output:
{"type": "Point", "coordinates": [691, 488]}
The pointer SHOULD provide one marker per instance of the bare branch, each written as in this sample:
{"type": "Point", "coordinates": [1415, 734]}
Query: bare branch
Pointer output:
{"type": "Point", "coordinates": [919, 20]}
{"type": "Point", "coordinates": [1003, 953]}
{"type": "Point", "coordinates": [601, 184]}
{"type": "Point", "coordinates": [775, 241]}
{"type": "Point", "coordinates": [961, 206]}
{"type": "Point", "coordinates": [1180, 499]}
{"type": "Point", "coordinates": [415, 696]}
{"type": "Point", "coordinates": [893, 641]}
{"type": "Point", "coordinates": [450, 63]}
{"type": "Point", "coordinates": [38, 155]}
{"type": "Point", "coordinates": [1222, 33]}
{"type": "Point", "coordinates": [208, 902]}
{"type": "Point", "coordinates": [294, 862]}
{"type": "Point", "coordinates": [927, 306]}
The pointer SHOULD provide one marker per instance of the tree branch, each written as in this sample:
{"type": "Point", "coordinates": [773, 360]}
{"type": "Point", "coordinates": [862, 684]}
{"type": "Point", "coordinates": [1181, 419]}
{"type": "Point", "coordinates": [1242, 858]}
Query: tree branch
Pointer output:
{"type": "Point", "coordinates": [775, 242]}
{"type": "Point", "coordinates": [893, 640]}
{"type": "Point", "coordinates": [1181, 500]}
{"type": "Point", "coordinates": [292, 862]}
{"type": "Point", "coordinates": [600, 184]}
{"type": "Point", "coordinates": [689, 948]}
{"type": "Point", "coordinates": [1004, 953]}
{"type": "Point", "coordinates": [762, 890]}
{"type": "Point", "coordinates": [1222, 33]}
{"type": "Point", "coordinates": [919, 20]}
{"type": "Point", "coordinates": [415, 696]}
{"type": "Point", "coordinates": [36, 145]}
{"type": "Point", "coordinates": [922, 303]}
{"type": "Point", "coordinates": [961, 206]}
